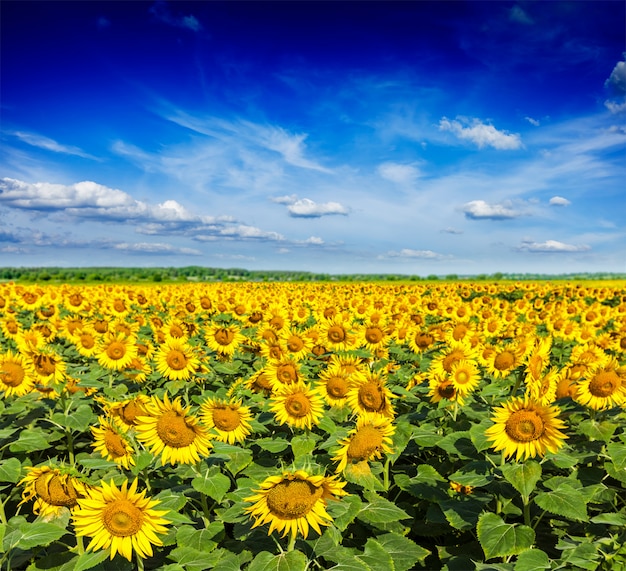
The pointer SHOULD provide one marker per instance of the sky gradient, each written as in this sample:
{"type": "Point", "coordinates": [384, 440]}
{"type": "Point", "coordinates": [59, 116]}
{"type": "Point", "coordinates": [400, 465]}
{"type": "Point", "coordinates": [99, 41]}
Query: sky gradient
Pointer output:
{"type": "Point", "coordinates": [359, 137]}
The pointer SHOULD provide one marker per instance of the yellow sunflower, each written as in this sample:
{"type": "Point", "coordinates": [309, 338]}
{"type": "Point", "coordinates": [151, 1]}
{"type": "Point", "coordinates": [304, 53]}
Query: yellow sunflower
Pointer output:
{"type": "Point", "coordinates": [48, 366]}
{"type": "Point", "coordinates": [283, 372]}
{"type": "Point", "coordinates": [224, 339]}
{"type": "Point", "coordinates": [175, 360]}
{"type": "Point", "coordinates": [369, 394]}
{"type": "Point", "coordinates": [440, 387]}
{"type": "Point", "coordinates": [367, 441]}
{"type": "Point", "coordinates": [453, 353]}
{"type": "Point", "coordinates": [125, 413]}
{"type": "Point", "coordinates": [297, 344]}
{"type": "Point", "coordinates": [53, 490]}
{"type": "Point", "coordinates": [172, 432]}
{"type": "Point", "coordinates": [464, 376]}
{"type": "Point", "coordinates": [16, 375]}
{"type": "Point", "coordinates": [334, 383]}
{"type": "Point", "coordinates": [116, 351]}
{"type": "Point", "coordinates": [502, 360]}
{"type": "Point", "coordinates": [120, 519]}
{"type": "Point", "coordinates": [526, 429]}
{"type": "Point", "coordinates": [336, 334]}
{"type": "Point", "coordinates": [294, 502]}
{"type": "Point", "coordinates": [86, 340]}
{"type": "Point", "coordinates": [111, 444]}
{"type": "Point", "coordinates": [230, 420]}
{"type": "Point", "coordinates": [297, 405]}
{"type": "Point", "coordinates": [603, 385]}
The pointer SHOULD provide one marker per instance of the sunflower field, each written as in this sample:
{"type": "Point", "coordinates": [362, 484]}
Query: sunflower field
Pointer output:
{"type": "Point", "coordinates": [289, 427]}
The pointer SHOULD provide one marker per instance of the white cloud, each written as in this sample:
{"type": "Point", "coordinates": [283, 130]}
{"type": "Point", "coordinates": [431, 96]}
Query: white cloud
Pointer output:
{"type": "Point", "coordinates": [559, 201]}
{"type": "Point", "coordinates": [479, 209]}
{"type": "Point", "coordinates": [532, 121]}
{"type": "Point", "coordinates": [516, 14]}
{"type": "Point", "coordinates": [48, 144]}
{"type": "Point", "coordinates": [162, 12]}
{"type": "Point", "coordinates": [551, 246]}
{"type": "Point", "coordinates": [408, 253]}
{"type": "Point", "coordinates": [154, 248]}
{"type": "Point", "coordinates": [397, 172]}
{"type": "Point", "coordinates": [451, 230]}
{"type": "Point", "coordinates": [315, 240]}
{"type": "Point", "coordinates": [306, 208]}
{"type": "Point", "coordinates": [289, 199]}
{"type": "Point", "coordinates": [482, 134]}
{"type": "Point", "coordinates": [615, 107]}
{"type": "Point", "coordinates": [617, 79]}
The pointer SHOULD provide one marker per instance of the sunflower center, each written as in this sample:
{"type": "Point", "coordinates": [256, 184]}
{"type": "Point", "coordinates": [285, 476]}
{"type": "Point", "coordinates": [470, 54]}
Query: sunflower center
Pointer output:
{"type": "Point", "coordinates": [116, 350]}
{"type": "Point", "coordinates": [226, 419]}
{"type": "Point", "coordinates": [54, 491]}
{"type": "Point", "coordinates": [604, 384]}
{"type": "Point", "coordinates": [450, 360]}
{"type": "Point", "coordinates": [114, 444]}
{"type": "Point", "coordinates": [224, 336]}
{"type": "Point", "coordinates": [45, 365]}
{"type": "Point", "coordinates": [371, 397]}
{"type": "Point", "coordinates": [364, 443]}
{"type": "Point", "coordinates": [12, 374]}
{"type": "Point", "coordinates": [336, 334]}
{"type": "Point", "coordinates": [176, 331]}
{"type": "Point", "coordinates": [524, 426]}
{"type": "Point", "coordinates": [286, 374]}
{"type": "Point", "coordinates": [87, 340]}
{"type": "Point", "coordinates": [295, 344]}
{"type": "Point", "coordinates": [293, 499]}
{"type": "Point", "coordinates": [461, 377]}
{"type": "Point", "coordinates": [374, 335]}
{"type": "Point", "coordinates": [446, 390]}
{"type": "Point", "coordinates": [277, 322]}
{"type": "Point", "coordinates": [174, 431]}
{"type": "Point", "coordinates": [504, 361]}
{"type": "Point", "coordinates": [130, 412]}
{"type": "Point", "coordinates": [176, 360]}
{"type": "Point", "coordinates": [119, 306]}
{"type": "Point", "coordinates": [12, 327]}
{"type": "Point", "coordinates": [337, 387]}
{"type": "Point", "coordinates": [459, 332]}
{"type": "Point", "coordinates": [297, 405]}
{"type": "Point", "coordinates": [122, 518]}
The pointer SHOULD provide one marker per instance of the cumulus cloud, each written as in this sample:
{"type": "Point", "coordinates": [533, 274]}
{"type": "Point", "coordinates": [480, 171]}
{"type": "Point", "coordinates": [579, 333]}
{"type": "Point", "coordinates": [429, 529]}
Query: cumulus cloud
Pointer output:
{"type": "Point", "coordinates": [617, 79]}
{"type": "Point", "coordinates": [288, 199]}
{"type": "Point", "coordinates": [48, 144]}
{"type": "Point", "coordinates": [559, 201]}
{"type": "Point", "coordinates": [413, 254]}
{"type": "Point", "coordinates": [307, 208]}
{"type": "Point", "coordinates": [551, 246]}
{"type": "Point", "coordinates": [615, 107]}
{"type": "Point", "coordinates": [399, 173]}
{"type": "Point", "coordinates": [479, 209]}
{"type": "Point", "coordinates": [237, 232]}
{"type": "Point", "coordinates": [161, 11]}
{"type": "Point", "coordinates": [481, 134]}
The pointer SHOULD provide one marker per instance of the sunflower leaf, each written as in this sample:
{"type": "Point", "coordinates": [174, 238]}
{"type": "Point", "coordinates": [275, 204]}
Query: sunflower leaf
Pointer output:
{"type": "Point", "coordinates": [289, 561]}
{"type": "Point", "coordinates": [500, 539]}
{"type": "Point", "coordinates": [10, 470]}
{"type": "Point", "coordinates": [404, 552]}
{"type": "Point", "coordinates": [376, 556]}
{"type": "Point", "coordinates": [31, 439]}
{"type": "Point", "coordinates": [380, 510]}
{"type": "Point", "coordinates": [344, 511]}
{"type": "Point", "coordinates": [39, 533]}
{"type": "Point", "coordinates": [90, 559]}
{"type": "Point", "coordinates": [212, 483]}
{"type": "Point", "coordinates": [523, 477]}
{"type": "Point", "coordinates": [532, 560]}
{"type": "Point", "coordinates": [564, 501]}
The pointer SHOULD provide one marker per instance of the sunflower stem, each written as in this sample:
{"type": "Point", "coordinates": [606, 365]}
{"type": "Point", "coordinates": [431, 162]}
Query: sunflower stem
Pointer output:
{"type": "Point", "coordinates": [205, 508]}
{"type": "Point", "coordinates": [139, 563]}
{"type": "Point", "coordinates": [70, 447]}
{"type": "Point", "coordinates": [80, 546]}
{"type": "Point", "coordinates": [386, 475]}
{"type": "Point", "coordinates": [3, 517]}
{"type": "Point", "coordinates": [518, 381]}
{"type": "Point", "coordinates": [292, 542]}
{"type": "Point", "coordinates": [526, 502]}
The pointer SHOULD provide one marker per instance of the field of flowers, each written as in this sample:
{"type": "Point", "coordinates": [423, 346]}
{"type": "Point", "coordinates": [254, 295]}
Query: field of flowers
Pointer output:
{"type": "Point", "coordinates": [292, 427]}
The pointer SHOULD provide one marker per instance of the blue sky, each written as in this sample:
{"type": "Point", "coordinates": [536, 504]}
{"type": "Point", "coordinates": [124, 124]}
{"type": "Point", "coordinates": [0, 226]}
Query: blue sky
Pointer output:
{"type": "Point", "coordinates": [358, 137]}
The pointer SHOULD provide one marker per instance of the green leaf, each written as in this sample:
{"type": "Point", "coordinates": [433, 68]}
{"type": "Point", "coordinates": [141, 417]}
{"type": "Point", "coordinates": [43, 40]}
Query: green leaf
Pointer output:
{"type": "Point", "coordinates": [597, 430]}
{"type": "Point", "coordinates": [523, 477]}
{"type": "Point", "coordinates": [344, 511]}
{"type": "Point", "coordinates": [426, 435]}
{"type": "Point", "coordinates": [212, 483]}
{"type": "Point", "coordinates": [380, 510]}
{"type": "Point", "coordinates": [499, 539]}
{"type": "Point", "coordinates": [90, 559]}
{"type": "Point", "coordinates": [272, 444]}
{"type": "Point", "coordinates": [10, 470]}
{"type": "Point", "coordinates": [610, 519]}
{"type": "Point", "coordinates": [350, 563]}
{"type": "Point", "coordinates": [532, 560]}
{"type": "Point", "coordinates": [303, 445]}
{"type": "Point", "coordinates": [404, 552]}
{"type": "Point", "coordinates": [189, 558]}
{"type": "Point", "coordinates": [39, 533]}
{"type": "Point", "coordinates": [458, 444]}
{"type": "Point", "coordinates": [564, 501]}
{"type": "Point", "coordinates": [584, 555]}
{"type": "Point", "coordinates": [462, 512]}
{"type": "Point", "coordinates": [30, 439]}
{"type": "Point", "coordinates": [289, 561]}
{"type": "Point", "coordinates": [475, 474]}
{"type": "Point", "coordinates": [201, 539]}
{"type": "Point", "coordinates": [376, 557]}
{"type": "Point", "coordinates": [78, 420]}
{"type": "Point", "coordinates": [401, 437]}
{"type": "Point", "coordinates": [617, 452]}
{"type": "Point", "coordinates": [478, 437]}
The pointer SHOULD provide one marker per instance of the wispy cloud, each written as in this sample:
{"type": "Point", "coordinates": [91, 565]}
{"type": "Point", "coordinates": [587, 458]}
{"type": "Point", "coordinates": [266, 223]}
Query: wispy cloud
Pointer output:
{"type": "Point", "coordinates": [559, 201]}
{"type": "Point", "coordinates": [551, 246]}
{"type": "Point", "coordinates": [517, 14]}
{"type": "Point", "coordinates": [479, 209]}
{"type": "Point", "coordinates": [408, 253]}
{"type": "Point", "coordinates": [161, 11]}
{"type": "Point", "coordinates": [42, 142]}
{"type": "Point", "coordinates": [534, 122]}
{"type": "Point", "coordinates": [481, 134]}
{"type": "Point", "coordinates": [398, 172]}
{"type": "Point", "coordinates": [154, 248]}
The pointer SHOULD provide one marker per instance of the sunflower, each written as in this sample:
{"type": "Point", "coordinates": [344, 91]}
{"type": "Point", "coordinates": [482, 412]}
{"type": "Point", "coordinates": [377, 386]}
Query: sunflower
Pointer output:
{"type": "Point", "coordinates": [116, 351]}
{"type": "Point", "coordinates": [296, 344]}
{"type": "Point", "coordinates": [538, 359]}
{"type": "Point", "coordinates": [172, 432]}
{"type": "Point", "coordinates": [453, 353]}
{"type": "Point", "coordinates": [367, 441]}
{"type": "Point", "coordinates": [543, 389]}
{"type": "Point", "coordinates": [230, 420]}
{"type": "Point", "coordinates": [16, 374]}
{"type": "Point", "coordinates": [603, 385]}
{"type": "Point", "coordinates": [334, 383]}
{"type": "Point", "coordinates": [224, 339]}
{"type": "Point", "coordinates": [464, 376]}
{"type": "Point", "coordinates": [48, 366]}
{"type": "Point", "coordinates": [336, 335]}
{"type": "Point", "coordinates": [373, 335]}
{"type": "Point", "coordinates": [86, 341]}
{"type": "Point", "coordinates": [54, 491]}
{"type": "Point", "coordinates": [294, 502]}
{"type": "Point", "coordinates": [526, 428]}
{"type": "Point", "coordinates": [29, 341]}
{"type": "Point", "coordinates": [297, 405]}
{"type": "Point", "coordinates": [120, 519]}
{"type": "Point", "coordinates": [440, 387]}
{"type": "Point", "coordinates": [125, 413]}
{"type": "Point", "coordinates": [370, 394]}
{"type": "Point", "coordinates": [175, 360]}
{"type": "Point", "coordinates": [283, 372]}
{"type": "Point", "coordinates": [111, 444]}
{"type": "Point", "coordinates": [501, 360]}
{"type": "Point", "coordinates": [259, 382]}
{"type": "Point", "coordinates": [11, 327]}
